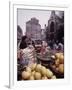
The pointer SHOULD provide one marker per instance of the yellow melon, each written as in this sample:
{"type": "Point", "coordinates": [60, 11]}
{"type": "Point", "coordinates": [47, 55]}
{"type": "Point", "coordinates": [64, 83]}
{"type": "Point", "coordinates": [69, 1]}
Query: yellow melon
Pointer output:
{"type": "Point", "coordinates": [37, 76]}
{"type": "Point", "coordinates": [28, 69]}
{"type": "Point", "coordinates": [57, 55]}
{"type": "Point", "coordinates": [43, 70]}
{"type": "Point", "coordinates": [38, 68]}
{"type": "Point", "coordinates": [49, 73]}
{"type": "Point", "coordinates": [61, 59]}
{"type": "Point", "coordinates": [33, 73]}
{"type": "Point", "coordinates": [33, 66]}
{"type": "Point", "coordinates": [44, 78]}
{"type": "Point", "coordinates": [61, 68]}
{"type": "Point", "coordinates": [53, 77]}
{"type": "Point", "coordinates": [26, 75]}
{"type": "Point", "coordinates": [31, 77]}
{"type": "Point", "coordinates": [57, 63]}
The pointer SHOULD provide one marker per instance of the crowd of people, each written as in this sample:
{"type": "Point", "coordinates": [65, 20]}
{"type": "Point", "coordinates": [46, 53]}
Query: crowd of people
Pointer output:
{"type": "Point", "coordinates": [26, 49]}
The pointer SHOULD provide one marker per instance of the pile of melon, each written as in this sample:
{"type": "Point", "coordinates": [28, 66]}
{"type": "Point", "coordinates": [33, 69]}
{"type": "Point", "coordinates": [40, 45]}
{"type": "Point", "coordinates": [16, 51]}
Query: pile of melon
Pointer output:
{"type": "Point", "coordinates": [59, 62]}
{"type": "Point", "coordinates": [37, 72]}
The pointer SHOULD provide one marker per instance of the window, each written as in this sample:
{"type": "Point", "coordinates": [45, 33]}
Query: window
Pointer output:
{"type": "Point", "coordinates": [52, 27]}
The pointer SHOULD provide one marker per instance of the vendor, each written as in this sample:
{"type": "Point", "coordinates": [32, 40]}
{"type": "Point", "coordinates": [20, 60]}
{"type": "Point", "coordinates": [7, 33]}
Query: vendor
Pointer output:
{"type": "Point", "coordinates": [22, 45]}
{"type": "Point", "coordinates": [44, 47]}
{"type": "Point", "coordinates": [27, 52]}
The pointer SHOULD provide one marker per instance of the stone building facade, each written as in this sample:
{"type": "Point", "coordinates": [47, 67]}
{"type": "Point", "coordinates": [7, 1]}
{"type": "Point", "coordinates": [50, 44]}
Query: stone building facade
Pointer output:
{"type": "Point", "coordinates": [43, 33]}
{"type": "Point", "coordinates": [19, 34]}
{"type": "Point", "coordinates": [55, 28]}
{"type": "Point", "coordinates": [33, 29]}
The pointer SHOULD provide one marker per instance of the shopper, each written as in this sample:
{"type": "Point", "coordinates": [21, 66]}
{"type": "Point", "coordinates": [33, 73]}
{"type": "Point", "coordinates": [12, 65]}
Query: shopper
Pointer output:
{"type": "Point", "coordinates": [60, 47]}
{"type": "Point", "coordinates": [23, 43]}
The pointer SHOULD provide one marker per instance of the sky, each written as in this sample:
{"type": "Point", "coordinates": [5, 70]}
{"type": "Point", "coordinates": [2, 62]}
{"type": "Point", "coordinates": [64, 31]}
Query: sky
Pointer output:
{"type": "Point", "coordinates": [25, 15]}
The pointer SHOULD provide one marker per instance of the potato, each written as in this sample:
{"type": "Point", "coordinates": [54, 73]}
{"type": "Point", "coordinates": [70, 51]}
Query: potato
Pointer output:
{"type": "Point", "coordinates": [26, 75]}
{"type": "Point", "coordinates": [28, 69]}
{"type": "Point", "coordinates": [53, 77]}
{"type": "Point", "coordinates": [33, 66]}
{"type": "Point", "coordinates": [37, 76]}
{"type": "Point", "coordinates": [38, 68]}
{"type": "Point", "coordinates": [61, 68]}
{"type": "Point", "coordinates": [49, 73]}
{"type": "Point", "coordinates": [43, 70]}
{"type": "Point", "coordinates": [31, 77]}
